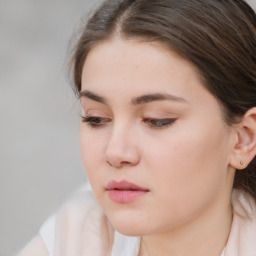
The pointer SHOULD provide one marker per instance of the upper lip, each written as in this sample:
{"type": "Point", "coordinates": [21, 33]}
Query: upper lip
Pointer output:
{"type": "Point", "coordinates": [123, 185]}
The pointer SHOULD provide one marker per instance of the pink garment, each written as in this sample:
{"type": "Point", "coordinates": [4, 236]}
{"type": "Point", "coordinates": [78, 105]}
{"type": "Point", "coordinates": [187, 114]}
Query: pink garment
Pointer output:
{"type": "Point", "coordinates": [81, 229]}
{"type": "Point", "coordinates": [242, 238]}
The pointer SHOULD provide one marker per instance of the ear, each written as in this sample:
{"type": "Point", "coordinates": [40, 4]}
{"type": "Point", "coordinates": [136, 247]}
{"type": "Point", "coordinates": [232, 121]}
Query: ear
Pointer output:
{"type": "Point", "coordinates": [244, 148]}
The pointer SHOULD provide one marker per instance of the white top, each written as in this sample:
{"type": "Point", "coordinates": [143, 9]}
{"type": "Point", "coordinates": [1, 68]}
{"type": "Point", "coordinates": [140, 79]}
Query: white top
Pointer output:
{"type": "Point", "coordinates": [123, 245]}
{"type": "Point", "coordinates": [66, 228]}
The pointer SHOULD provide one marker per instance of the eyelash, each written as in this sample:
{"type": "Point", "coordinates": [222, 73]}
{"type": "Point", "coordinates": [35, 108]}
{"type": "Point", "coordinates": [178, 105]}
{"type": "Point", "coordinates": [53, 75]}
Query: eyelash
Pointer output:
{"type": "Point", "coordinates": [159, 123]}
{"type": "Point", "coordinates": [95, 121]}
{"type": "Point", "coordinates": [154, 123]}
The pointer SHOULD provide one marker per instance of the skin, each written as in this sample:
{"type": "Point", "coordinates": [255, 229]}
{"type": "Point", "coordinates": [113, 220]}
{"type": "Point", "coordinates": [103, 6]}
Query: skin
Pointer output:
{"type": "Point", "coordinates": [185, 164]}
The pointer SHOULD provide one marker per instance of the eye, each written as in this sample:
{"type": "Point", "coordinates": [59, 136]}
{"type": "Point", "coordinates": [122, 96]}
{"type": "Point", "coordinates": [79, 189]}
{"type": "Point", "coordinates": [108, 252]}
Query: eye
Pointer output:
{"type": "Point", "coordinates": [159, 123]}
{"type": "Point", "coordinates": [95, 121]}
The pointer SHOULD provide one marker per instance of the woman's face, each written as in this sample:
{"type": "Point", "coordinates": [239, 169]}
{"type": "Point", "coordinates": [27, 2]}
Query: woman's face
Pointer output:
{"type": "Point", "coordinates": [153, 141]}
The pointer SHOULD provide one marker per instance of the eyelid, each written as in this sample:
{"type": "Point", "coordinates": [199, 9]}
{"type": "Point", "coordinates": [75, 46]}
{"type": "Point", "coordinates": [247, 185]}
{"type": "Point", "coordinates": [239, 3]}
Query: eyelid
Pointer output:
{"type": "Point", "coordinates": [94, 112]}
{"type": "Point", "coordinates": [158, 123]}
{"type": "Point", "coordinates": [159, 114]}
{"type": "Point", "coordinates": [95, 121]}
{"type": "Point", "coordinates": [88, 107]}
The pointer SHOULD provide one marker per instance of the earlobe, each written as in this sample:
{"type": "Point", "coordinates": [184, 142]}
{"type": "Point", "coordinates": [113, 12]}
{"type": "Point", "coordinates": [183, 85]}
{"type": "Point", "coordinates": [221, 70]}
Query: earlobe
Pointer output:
{"type": "Point", "coordinates": [244, 149]}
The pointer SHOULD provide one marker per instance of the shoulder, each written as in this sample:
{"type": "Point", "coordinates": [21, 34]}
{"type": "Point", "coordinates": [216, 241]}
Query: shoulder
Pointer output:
{"type": "Point", "coordinates": [243, 230]}
{"type": "Point", "coordinates": [35, 247]}
{"type": "Point", "coordinates": [78, 226]}
{"type": "Point", "coordinates": [79, 216]}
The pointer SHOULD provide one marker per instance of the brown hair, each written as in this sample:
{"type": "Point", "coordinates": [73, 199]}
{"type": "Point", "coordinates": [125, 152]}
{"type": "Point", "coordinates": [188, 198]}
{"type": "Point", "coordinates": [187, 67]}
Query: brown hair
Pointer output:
{"type": "Point", "coordinates": [217, 36]}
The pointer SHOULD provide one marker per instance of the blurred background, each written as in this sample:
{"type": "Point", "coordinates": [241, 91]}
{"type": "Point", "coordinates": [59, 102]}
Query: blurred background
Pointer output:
{"type": "Point", "coordinates": [39, 115]}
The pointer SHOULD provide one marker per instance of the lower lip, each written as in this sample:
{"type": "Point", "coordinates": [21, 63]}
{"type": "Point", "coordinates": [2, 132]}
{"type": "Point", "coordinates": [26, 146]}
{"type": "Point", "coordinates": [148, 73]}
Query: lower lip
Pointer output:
{"type": "Point", "coordinates": [125, 196]}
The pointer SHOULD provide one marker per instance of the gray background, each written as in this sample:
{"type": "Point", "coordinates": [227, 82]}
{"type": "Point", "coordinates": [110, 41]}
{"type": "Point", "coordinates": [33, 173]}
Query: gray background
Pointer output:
{"type": "Point", "coordinates": [39, 115]}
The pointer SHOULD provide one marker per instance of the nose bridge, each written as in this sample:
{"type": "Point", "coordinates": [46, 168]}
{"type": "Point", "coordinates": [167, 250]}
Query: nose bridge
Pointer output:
{"type": "Point", "coordinates": [121, 147]}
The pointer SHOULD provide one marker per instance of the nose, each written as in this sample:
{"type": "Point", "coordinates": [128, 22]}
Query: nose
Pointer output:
{"type": "Point", "coordinates": [121, 149]}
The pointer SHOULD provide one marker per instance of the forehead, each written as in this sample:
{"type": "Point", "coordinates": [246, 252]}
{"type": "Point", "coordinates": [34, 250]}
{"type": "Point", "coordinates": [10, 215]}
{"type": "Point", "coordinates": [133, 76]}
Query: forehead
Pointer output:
{"type": "Point", "coordinates": [117, 66]}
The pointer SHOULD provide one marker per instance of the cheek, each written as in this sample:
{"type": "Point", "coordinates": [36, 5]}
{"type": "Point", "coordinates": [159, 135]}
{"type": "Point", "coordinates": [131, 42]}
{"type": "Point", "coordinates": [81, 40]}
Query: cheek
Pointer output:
{"type": "Point", "coordinates": [91, 150]}
{"type": "Point", "coordinates": [185, 173]}
{"type": "Point", "coordinates": [189, 162]}
{"type": "Point", "coordinates": [92, 157]}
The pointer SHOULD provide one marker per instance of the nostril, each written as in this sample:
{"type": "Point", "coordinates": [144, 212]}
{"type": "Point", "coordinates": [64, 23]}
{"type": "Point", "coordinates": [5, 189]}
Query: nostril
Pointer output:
{"type": "Point", "coordinates": [118, 164]}
{"type": "Point", "coordinates": [125, 163]}
{"type": "Point", "coordinates": [109, 163]}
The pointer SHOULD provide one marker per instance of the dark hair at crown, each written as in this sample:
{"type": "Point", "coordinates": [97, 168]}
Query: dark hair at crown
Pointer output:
{"type": "Point", "coordinates": [217, 36]}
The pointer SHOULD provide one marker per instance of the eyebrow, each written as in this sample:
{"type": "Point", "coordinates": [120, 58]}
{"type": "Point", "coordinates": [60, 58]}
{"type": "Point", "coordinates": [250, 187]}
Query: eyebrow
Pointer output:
{"type": "Point", "coordinates": [147, 98]}
{"type": "Point", "coordinates": [156, 97]}
{"type": "Point", "coordinates": [92, 96]}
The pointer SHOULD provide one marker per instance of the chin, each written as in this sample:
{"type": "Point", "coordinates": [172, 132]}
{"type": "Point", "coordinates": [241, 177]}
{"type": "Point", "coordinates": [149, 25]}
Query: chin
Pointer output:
{"type": "Point", "coordinates": [129, 230]}
{"type": "Point", "coordinates": [129, 224]}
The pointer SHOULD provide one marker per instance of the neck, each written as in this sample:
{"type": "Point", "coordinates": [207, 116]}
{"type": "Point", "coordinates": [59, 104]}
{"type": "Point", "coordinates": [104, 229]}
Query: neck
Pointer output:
{"type": "Point", "coordinates": [207, 234]}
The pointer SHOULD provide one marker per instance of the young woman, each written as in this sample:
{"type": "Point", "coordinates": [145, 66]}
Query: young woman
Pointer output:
{"type": "Point", "coordinates": [168, 133]}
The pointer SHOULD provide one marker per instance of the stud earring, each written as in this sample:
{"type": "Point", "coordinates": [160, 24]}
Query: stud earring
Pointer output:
{"type": "Point", "coordinates": [241, 162]}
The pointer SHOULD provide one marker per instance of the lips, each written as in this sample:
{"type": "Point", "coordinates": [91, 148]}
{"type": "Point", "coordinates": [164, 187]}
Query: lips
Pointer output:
{"type": "Point", "coordinates": [124, 192]}
{"type": "Point", "coordinates": [123, 185]}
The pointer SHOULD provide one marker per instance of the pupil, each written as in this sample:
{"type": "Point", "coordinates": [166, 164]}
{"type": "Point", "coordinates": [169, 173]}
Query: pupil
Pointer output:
{"type": "Point", "coordinates": [97, 120]}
